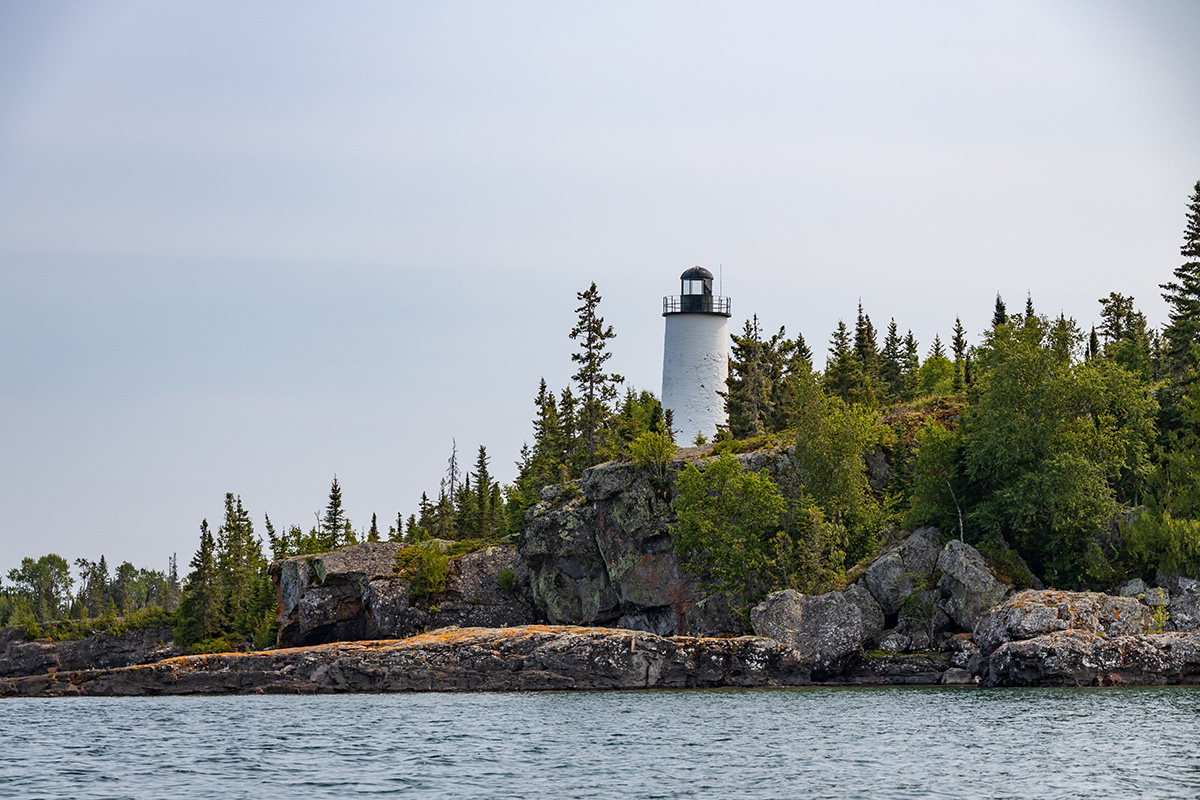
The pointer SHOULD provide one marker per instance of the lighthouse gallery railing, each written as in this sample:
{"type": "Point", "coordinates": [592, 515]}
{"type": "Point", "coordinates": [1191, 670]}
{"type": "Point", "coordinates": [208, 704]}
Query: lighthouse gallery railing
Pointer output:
{"type": "Point", "coordinates": [696, 304]}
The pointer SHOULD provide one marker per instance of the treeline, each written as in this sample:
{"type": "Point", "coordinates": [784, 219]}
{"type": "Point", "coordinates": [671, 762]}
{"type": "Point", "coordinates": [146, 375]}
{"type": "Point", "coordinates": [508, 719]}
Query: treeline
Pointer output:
{"type": "Point", "coordinates": [1078, 451]}
{"type": "Point", "coordinates": [44, 590]}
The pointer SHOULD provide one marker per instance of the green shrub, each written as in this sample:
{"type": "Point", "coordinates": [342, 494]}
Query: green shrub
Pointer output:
{"type": "Point", "coordinates": [652, 451]}
{"type": "Point", "coordinates": [219, 645]}
{"type": "Point", "coordinates": [425, 566]}
{"type": "Point", "coordinates": [29, 627]}
{"type": "Point", "coordinates": [266, 633]}
{"type": "Point", "coordinates": [507, 580]}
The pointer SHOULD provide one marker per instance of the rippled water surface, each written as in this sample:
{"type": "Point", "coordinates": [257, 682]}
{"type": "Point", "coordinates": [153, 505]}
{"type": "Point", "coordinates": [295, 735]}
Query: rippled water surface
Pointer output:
{"type": "Point", "coordinates": [871, 743]}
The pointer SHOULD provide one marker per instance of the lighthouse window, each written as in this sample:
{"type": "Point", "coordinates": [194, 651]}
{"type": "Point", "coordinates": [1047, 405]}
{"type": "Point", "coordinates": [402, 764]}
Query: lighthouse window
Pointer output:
{"type": "Point", "coordinates": [693, 287]}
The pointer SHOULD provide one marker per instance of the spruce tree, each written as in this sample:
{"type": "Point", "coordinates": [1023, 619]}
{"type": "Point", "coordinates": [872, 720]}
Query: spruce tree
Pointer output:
{"type": "Point", "coordinates": [891, 367]}
{"type": "Point", "coordinates": [597, 388]}
{"type": "Point", "coordinates": [745, 388]}
{"type": "Point", "coordinates": [912, 366]}
{"type": "Point", "coordinates": [201, 610]}
{"type": "Point", "coordinates": [373, 533]}
{"type": "Point", "coordinates": [333, 524]}
{"type": "Point", "coordinates": [1183, 297]}
{"type": "Point", "coordinates": [843, 372]}
{"type": "Point", "coordinates": [483, 496]}
{"type": "Point", "coordinates": [959, 345]}
{"type": "Point", "coordinates": [1000, 314]}
{"type": "Point", "coordinates": [866, 348]}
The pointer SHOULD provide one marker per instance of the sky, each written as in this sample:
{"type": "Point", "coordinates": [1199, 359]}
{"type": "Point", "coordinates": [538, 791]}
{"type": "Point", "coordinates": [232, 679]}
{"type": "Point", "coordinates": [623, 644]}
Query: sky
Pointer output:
{"type": "Point", "coordinates": [246, 247]}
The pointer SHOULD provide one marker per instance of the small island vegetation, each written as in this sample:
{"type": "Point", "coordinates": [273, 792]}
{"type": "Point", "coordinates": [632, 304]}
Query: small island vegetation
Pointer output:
{"type": "Point", "coordinates": [1064, 454]}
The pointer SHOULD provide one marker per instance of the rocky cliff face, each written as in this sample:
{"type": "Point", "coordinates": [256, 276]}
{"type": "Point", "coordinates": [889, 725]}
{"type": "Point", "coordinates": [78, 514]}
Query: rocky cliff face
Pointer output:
{"type": "Point", "coordinates": [20, 657]}
{"type": "Point", "coordinates": [356, 594]}
{"type": "Point", "coordinates": [600, 552]}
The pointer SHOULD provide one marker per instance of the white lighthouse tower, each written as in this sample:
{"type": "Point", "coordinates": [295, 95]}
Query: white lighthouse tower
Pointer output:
{"type": "Point", "coordinates": [695, 357]}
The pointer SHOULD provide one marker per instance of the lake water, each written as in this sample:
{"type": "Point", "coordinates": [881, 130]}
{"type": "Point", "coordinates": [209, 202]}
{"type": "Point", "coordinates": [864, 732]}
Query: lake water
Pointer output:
{"type": "Point", "coordinates": [835, 743]}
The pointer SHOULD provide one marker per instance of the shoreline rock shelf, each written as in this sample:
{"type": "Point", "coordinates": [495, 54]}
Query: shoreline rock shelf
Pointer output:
{"type": "Point", "coordinates": [527, 658]}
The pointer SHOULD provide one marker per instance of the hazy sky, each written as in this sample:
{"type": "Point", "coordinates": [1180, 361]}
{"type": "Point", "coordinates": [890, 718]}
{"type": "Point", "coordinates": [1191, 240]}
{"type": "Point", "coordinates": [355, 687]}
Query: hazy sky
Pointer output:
{"type": "Point", "coordinates": [244, 247]}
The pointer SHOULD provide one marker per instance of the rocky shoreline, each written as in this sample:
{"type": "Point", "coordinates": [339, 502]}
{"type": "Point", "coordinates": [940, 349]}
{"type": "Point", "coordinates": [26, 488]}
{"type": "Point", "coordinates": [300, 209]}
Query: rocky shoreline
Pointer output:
{"type": "Point", "coordinates": [595, 561]}
{"type": "Point", "coordinates": [527, 658]}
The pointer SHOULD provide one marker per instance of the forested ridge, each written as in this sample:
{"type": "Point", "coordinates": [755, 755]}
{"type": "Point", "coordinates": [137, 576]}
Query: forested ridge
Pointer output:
{"type": "Point", "coordinates": [1065, 453]}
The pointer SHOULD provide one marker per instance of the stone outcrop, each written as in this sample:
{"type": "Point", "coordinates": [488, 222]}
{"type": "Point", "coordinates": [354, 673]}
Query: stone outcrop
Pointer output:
{"type": "Point", "coordinates": [455, 659]}
{"type": "Point", "coordinates": [1033, 613]}
{"type": "Point", "coordinates": [601, 552]}
{"type": "Point", "coordinates": [356, 594]}
{"type": "Point", "coordinates": [19, 656]}
{"type": "Point", "coordinates": [1054, 638]}
{"type": "Point", "coordinates": [967, 586]}
{"type": "Point", "coordinates": [1183, 602]}
{"type": "Point", "coordinates": [826, 630]}
{"type": "Point", "coordinates": [1079, 658]}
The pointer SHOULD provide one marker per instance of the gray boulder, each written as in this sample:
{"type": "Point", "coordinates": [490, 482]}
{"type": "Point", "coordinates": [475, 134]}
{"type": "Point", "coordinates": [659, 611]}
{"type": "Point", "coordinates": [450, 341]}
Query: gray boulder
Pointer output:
{"type": "Point", "coordinates": [1031, 613]}
{"type": "Point", "coordinates": [967, 586]}
{"type": "Point", "coordinates": [716, 616]}
{"type": "Point", "coordinates": [921, 550]}
{"type": "Point", "coordinates": [1079, 658]}
{"type": "Point", "coordinates": [887, 582]}
{"type": "Point", "coordinates": [826, 630]}
{"type": "Point", "coordinates": [1133, 588]}
{"type": "Point", "coordinates": [896, 575]}
{"type": "Point", "coordinates": [1155, 597]}
{"type": "Point", "coordinates": [1183, 609]}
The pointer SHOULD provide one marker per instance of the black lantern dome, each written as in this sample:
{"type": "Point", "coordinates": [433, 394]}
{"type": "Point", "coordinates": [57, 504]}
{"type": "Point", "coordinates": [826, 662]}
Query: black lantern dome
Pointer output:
{"type": "Point", "coordinates": [696, 295]}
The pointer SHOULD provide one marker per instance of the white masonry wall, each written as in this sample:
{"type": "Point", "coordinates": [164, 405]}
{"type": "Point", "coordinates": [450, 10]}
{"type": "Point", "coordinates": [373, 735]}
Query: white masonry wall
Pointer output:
{"type": "Point", "coordinates": [695, 365]}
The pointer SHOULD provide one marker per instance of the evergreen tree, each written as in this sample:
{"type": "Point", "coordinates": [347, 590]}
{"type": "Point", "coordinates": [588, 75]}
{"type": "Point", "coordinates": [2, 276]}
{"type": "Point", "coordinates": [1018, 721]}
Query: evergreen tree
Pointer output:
{"type": "Point", "coordinates": [201, 611]}
{"type": "Point", "coordinates": [1000, 315]}
{"type": "Point", "coordinates": [959, 345]}
{"type": "Point", "coordinates": [373, 533]}
{"type": "Point", "coordinates": [485, 520]}
{"type": "Point", "coordinates": [746, 386]}
{"type": "Point", "coordinates": [912, 366]}
{"type": "Point", "coordinates": [891, 367]}
{"type": "Point", "coordinates": [866, 348]}
{"type": "Point", "coordinates": [94, 594]}
{"type": "Point", "coordinates": [333, 525]}
{"type": "Point", "coordinates": [239, 564]}
{"type": "Point", "coordinates": [597, 388]}
{"type": "Point", "coordinates": [843, 372]}
{"type": "Point", "coordinates": [936, 350]}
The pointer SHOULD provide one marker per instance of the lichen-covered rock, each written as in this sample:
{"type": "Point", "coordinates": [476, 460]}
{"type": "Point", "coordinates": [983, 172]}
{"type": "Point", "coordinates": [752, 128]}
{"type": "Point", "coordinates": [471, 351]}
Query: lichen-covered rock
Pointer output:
{"type": "Point", "coordinates": [892, 670]}
{"type": "Point", "coordinates": [1078, 658]}
{"type": "Point", "coordinates": [1183, 608]}
{"type": "Point", "coordinates": [355, 594]}
{"type": "Point", "coordinates": [19, 656]}
{"type": "Point", "coordinates": [1033, 613]}
{"type": "Point", "coordinates": [896, 575]}
{"type": "Point", "coordinates": [887, 582]}
{"type": "Point", "coordinates": [921, 551]}
{"type": "Point", "coordinates": [1133, 588]}
{"type": "Point", "coordinates": [528, 658]}
{"type": "Point", "coordinates": [963, 652]}
{"type": "Point", "coordinates": [827, 630]}
{"type": "Point", "coordinates": [715, 615]}
{"type": "Point", "coordinates": [1155, 597]}
{"type": "Point", "coordinates": [968, 587]}
{"type": "Point", "coordinates": [601, 552]}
